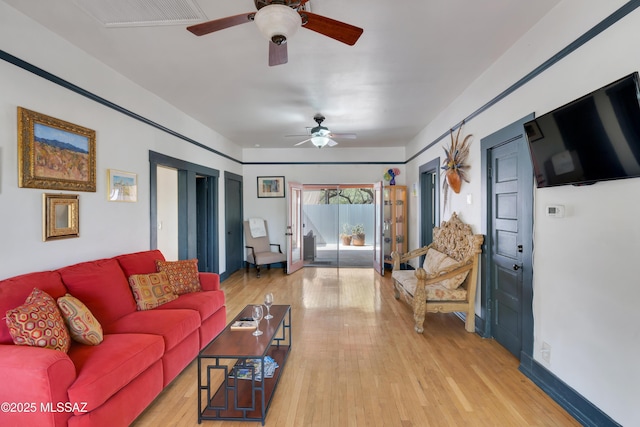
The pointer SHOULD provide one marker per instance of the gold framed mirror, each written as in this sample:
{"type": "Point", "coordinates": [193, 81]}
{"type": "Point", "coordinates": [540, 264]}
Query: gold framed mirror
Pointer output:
{"type": "Point", "coordinates": [60, 216]}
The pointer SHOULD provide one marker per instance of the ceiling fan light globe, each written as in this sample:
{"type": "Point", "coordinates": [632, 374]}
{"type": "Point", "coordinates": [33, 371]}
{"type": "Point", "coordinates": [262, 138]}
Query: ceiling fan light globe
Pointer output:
{"type": "Point", "coordinates": [277, 22]}
{"type": "Point", "coordinates": [320, 141]}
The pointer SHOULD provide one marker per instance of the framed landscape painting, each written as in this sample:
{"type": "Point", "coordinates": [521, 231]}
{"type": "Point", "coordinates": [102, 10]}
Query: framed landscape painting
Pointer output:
{"type": "Point", "coordinates": [270, 186]}
{"type": "Point", "coordinates": [54, 154]}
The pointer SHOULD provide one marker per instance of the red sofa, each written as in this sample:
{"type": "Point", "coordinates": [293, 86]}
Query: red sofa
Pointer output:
{"type": "Point", "coordinates": [109, 384]}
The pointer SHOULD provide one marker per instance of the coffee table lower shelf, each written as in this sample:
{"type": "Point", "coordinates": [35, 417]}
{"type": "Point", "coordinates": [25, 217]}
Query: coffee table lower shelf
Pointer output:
{"type": "Point", "coordinates": [242, 399]}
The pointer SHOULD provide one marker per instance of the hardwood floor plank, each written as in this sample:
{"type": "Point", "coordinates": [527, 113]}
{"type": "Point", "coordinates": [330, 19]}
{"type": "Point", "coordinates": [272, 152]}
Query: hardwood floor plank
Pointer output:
{"type": "Point", "coordinates": [356, 361]}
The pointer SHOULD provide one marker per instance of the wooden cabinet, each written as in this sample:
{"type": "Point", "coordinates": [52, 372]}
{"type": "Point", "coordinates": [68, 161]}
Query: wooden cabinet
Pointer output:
{"type": "Point", "coordinates": [394, 235]}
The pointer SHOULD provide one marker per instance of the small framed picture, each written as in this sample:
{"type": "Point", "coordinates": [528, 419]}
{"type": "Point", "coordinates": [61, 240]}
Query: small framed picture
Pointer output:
{"type": "Point", "coordinates": [60, 216]}
{"type": "Point", "coordinates": [122, 186]}
{"type": "Point", "coordinates": [270, 186]}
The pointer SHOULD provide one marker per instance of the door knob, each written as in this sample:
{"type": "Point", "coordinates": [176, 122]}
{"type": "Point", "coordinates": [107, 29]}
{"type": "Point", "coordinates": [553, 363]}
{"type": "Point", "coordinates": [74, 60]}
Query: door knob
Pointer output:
{"type": "Point", "coordinates": [516, 267]}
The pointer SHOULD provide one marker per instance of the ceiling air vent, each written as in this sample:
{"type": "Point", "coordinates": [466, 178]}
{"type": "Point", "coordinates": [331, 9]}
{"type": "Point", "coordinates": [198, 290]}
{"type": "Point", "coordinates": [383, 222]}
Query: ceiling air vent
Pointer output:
{"type": "Point", "coordinates": [130, 13]}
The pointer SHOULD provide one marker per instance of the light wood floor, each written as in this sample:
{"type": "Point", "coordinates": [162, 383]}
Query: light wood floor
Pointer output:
{"type": "Point", "coordinates": [356, 361]}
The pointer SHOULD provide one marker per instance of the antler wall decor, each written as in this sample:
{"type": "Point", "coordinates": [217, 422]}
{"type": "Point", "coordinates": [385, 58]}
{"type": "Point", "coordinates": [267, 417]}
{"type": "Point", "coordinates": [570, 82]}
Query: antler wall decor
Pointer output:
{"type": "Point", "coordinates": [454, 166]}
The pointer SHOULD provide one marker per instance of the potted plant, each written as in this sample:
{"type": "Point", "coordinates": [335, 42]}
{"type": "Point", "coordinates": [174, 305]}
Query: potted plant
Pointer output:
{"type": "Point", "coordinates": [357, 235]}
{"type": "Point", "coordinates": [345, 236]}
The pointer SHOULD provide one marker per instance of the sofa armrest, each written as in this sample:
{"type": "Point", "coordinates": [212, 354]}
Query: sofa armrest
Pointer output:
{"type": "Point", "coordinates": [34, 376]}
{"type": "Point", "coordinates": [209, 281]}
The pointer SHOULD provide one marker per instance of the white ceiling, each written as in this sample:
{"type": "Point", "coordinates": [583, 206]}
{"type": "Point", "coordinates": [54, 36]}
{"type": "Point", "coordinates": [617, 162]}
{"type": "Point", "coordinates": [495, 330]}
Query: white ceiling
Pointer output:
{"type": "Point", "coordinates": [413, 59]}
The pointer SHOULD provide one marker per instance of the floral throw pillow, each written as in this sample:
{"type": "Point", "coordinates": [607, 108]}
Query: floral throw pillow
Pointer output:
{"type": "Point", "coordinates": [38, 323]}
{"type": "Point", "coordinates": [83, 326]}
{"type": "Point", "coordinates": [151, 290]}
{"type": "Point", "coordinates": [183, 275]}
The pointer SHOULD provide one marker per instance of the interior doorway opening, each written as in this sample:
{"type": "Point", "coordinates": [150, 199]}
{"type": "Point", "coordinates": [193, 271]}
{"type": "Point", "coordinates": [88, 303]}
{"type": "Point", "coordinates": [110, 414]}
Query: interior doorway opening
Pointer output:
{"type": "Point", "coordinates": [338, 225]}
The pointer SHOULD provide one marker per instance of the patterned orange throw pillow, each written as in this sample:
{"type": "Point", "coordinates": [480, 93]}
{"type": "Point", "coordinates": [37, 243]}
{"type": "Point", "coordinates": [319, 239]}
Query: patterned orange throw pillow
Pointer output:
{"type": "Point", "coordinates": [151, 290]}
{"type": "Point", "coordinates": [38, 323]}
{"type": "Point", "coordinates": [83, 326]}
{"type": "Point", "coordinates": [183, 275]}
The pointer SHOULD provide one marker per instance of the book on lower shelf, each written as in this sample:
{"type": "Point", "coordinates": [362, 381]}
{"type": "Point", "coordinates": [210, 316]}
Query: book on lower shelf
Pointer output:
{"type": "Point", "coordinates": [243, 325]}
{"type": "Point", "coordinates": [251, 369]}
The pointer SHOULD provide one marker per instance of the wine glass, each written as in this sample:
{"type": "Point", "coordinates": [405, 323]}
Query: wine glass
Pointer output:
{"type": "Point", "coordinates": [268, 301]}
{"type": "Point", "coordinates": [256, 314]}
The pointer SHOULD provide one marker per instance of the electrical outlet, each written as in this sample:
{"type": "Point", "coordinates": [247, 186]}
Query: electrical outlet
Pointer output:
{"type": "Point", "coordinates": [546, 352]}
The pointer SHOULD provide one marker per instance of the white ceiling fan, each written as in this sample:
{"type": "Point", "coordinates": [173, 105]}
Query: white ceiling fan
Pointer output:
{"type": "Point", "coordinates": [320, 136]}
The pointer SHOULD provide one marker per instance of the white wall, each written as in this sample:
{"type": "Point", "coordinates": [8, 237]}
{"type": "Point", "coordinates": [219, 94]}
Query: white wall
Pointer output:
{"type": "Point", "coordinates": [585, 287]}
{"type": "Point", "coordinates": [167, 203]}
{"type": "Point", "coordinates": [275, 210]}
{"type": "Point", "coordinates": [106, 228]}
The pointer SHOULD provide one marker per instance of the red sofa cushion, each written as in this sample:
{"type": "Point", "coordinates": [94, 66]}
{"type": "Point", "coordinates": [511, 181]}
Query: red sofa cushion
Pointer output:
{"type": "Point", "coordinates": [104, 369]}
{"type": "Point", "coordinates": [205, 303]}
{"type": "Point", "coordinates": [102, 287]}
{"type": "Point", "coordinates": [140, 262]}
{"type": "Point", "coordinates": [124, 406]}
{"type": "Point", "coordinates": [14, 291]}
{"type": "Point", "coordinates": [173, 325]}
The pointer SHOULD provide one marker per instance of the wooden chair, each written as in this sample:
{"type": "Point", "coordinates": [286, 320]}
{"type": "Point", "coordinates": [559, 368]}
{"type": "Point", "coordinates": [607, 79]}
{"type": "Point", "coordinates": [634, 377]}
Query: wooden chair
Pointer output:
{"type": "Point", "coordinates": [259, 250]}
{"type": "Point", "coordinates": [447, 280]}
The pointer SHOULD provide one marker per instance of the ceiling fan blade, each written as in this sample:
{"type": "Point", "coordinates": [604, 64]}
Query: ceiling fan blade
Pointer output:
{"type": "Point", "coordinates": [343, 135]}
{"type": "Point", "coordinates": [337, 30]}
{"type": "Point", "coordinates": [220, 24]}
{"type": "Point", "coordinates": [278, 54]}
{"type": "Point", "coordinates": [300, 143]}
{"type": "Point", "coordinates": [331, 143]}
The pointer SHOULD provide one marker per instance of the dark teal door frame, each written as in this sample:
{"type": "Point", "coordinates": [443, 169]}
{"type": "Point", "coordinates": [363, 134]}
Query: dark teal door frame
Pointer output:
{"type": "Point", "coordinates": [188, 216]}
{"type": "Point", "coordinates": [429, 201]}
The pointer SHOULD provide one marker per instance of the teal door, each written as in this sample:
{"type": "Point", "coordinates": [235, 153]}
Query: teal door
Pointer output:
{"type": "Point", "coordinates": [507, 287]}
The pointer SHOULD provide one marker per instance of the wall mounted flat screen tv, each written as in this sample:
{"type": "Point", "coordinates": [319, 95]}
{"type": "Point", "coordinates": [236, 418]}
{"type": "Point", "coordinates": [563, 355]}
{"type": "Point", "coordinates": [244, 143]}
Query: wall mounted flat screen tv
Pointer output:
{"type": "Point", "coordinates": [594, 138]}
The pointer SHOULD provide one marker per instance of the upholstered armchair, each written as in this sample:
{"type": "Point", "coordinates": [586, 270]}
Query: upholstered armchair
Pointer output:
{"type": "Point", "coordinates": [259, 249]}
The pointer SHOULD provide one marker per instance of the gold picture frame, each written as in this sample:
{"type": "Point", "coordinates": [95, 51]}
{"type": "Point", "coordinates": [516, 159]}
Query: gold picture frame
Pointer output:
{"type": "Point", "coordinates": [122, 186]}
{"type": "Point", "coordinates": [54, 154]}
{"type": "Point", "coordinates": [60, 216]}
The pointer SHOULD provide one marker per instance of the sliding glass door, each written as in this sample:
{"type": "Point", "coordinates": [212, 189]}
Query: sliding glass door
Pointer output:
{"type": "Point", "coordinates": [339, 225]}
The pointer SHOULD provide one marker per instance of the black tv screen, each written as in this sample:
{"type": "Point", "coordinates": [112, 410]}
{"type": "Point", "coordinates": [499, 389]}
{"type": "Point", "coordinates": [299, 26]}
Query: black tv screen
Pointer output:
{"type": "Point", "coordinates": [594, 138]}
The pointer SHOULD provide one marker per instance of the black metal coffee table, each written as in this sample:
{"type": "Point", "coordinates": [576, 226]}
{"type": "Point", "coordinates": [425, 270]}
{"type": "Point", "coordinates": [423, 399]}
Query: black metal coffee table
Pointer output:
{"type": "Point", "coordinates": [239, 354]}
